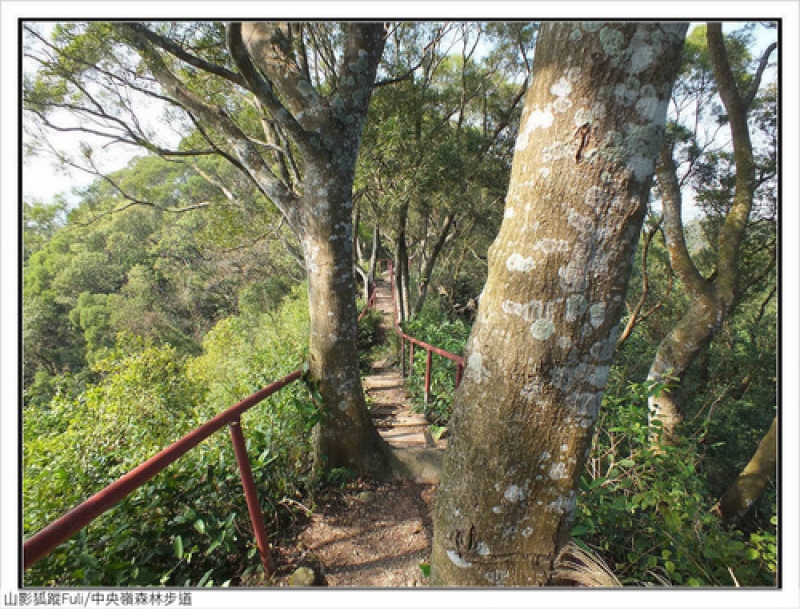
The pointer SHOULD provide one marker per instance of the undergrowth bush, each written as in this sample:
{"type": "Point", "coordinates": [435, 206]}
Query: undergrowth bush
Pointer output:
{"type": "Point", "coordinates": [435, 327]}
{"type": "Point", "coordinates": [188, 526]}
{"type": "Point", "coordinates": [648, 513]}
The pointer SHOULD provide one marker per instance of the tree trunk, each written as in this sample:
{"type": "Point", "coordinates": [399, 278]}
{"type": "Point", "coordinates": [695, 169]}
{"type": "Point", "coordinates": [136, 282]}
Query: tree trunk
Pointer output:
{"type": "Point", "coordinates": [675, 354]}
{"type": "Point", "coordinates": [373, 256]}
{"type": "Point", "coordinates": [430, 262]}
{"type": "Point", "coordinates": [401, 267]}
{"type": "Point", "coordinates": [710, 301]}
{"type": "Point", "coordinates": [539, 353]}
{"type": "Point", "coordinates": [328, 137]}
{"type": "Point", "coordinates": [346, 437]}
{"type": "Point", "coordinates": [306, 170]}
{"type": "Point", "coordinates": [752, 482]}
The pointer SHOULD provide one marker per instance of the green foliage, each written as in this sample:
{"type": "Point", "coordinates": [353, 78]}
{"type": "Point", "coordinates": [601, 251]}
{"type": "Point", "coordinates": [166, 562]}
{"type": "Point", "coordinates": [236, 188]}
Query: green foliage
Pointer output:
{"type": "Point", "coordinates": [369, 333]}
{"type": "Point", "coordinates": [116, 267]}
{"type": "Point", "coordinates": [189, 525]}
{"type": "Point", "coordinates": [436, 328]}
{"type": "Point", "coordinates": [648, 513]}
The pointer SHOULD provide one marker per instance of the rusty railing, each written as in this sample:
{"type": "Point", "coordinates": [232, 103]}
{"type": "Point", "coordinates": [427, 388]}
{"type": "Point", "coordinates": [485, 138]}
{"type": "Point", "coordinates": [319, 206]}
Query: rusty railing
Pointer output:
{"type": "Point", "coordinates": [50, 537]}
{"type": "Point", "coordinates": [45, 541]}
{"type": "Point", "coordinates": [429, 349]}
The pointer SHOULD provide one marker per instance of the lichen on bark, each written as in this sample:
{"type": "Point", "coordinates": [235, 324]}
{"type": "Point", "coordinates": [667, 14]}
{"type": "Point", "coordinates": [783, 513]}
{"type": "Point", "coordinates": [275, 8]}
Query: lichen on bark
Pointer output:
{"type": "Point", "coordinates": [580, 177]}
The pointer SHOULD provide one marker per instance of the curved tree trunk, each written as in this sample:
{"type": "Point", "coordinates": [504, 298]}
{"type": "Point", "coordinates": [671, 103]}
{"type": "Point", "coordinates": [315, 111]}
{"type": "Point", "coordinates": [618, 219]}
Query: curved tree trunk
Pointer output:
{"type": "Point", "coordinates": [752, 482]}
{"type": "Point", "coordinates": [675, 354]}
{"type": "Point", "coordinates": [539, 353]}
{"type": "Point", "coordinates": [711, 302]}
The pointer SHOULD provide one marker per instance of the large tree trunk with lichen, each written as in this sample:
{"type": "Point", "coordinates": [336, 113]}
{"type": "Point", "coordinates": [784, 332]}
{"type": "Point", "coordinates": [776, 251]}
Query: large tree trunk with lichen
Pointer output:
{"type": "Point", "coordinates": [711, 300]}
{"type": "Point", "coordinates": [303, 161]}
{"type": "Point", "coordinates": [539, 353]}
{"type": "Point", "coordinates": [345, 437]}
{"type": "Point", "coordinates": [753, 481]}
{"type": "Point", "coordinates": [322, 215]}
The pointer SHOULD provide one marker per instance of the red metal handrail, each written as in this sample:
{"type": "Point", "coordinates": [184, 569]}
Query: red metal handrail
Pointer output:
{"type": "Point", "coordinates": [45, 541]}
{"type": "Point", "coordinates": [459, 360]}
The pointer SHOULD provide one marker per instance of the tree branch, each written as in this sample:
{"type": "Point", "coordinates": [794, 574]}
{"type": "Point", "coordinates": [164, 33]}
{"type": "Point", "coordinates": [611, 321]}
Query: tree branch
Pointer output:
{"type": "Point", "coordinates": [733, 230]}
{"type": "Point", "coordinates": [179, 52]}
{"type": "Point", "coordinates": [260, 86]}
{"type": "Point", "coordinates": [245, 149]}
{"type": "Point", "coordinates": [634, 317]}
{"type": "Point", "coordinates": [672, 201]}
{"type": "Point", "coordinates": [762, 66]}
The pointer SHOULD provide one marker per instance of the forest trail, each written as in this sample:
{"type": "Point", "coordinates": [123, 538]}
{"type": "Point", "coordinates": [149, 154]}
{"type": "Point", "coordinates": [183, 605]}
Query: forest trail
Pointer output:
{"type": "Point", "coordinates": [393, 415]}
{"type": "Point", "coordinates": [376, 534]}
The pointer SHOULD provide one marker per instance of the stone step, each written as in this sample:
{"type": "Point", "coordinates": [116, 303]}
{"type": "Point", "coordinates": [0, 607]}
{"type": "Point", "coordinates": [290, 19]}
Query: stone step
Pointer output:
{"type": "Point", "coordinates": [422, 464]}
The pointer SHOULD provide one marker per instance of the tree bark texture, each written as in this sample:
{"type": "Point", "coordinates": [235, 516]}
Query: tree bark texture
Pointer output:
{"type": "Point", "coordinates": [327, 131]}
{"type": "Point", "coordinates": [753, 481]}
{"type": "Point", "coordinates": [539, 353]}
{"type": "Point", "coordinates": [711, 301]}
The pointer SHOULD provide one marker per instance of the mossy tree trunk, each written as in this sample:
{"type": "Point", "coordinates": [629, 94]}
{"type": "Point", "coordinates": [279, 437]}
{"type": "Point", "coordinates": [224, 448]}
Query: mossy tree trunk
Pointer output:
{"type": "Point", "coordinates": [752, 482]}
{"type": "Point", "coordinates": [539, 353]}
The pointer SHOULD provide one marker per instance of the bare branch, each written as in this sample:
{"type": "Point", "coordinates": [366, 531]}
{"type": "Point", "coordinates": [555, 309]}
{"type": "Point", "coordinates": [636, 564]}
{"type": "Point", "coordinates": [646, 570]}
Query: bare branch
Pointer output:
{"type": "Point", "coordinates": [179, 52]}
{"type": "Point", "coordinates": [762, 66]}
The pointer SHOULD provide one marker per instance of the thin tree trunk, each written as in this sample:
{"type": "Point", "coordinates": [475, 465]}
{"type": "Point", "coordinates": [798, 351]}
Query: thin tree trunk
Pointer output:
{"type": "Point", "coordinates": [636, 313]}
{"type": "Point", "coordinates": [430, 262]}
{"type": "Point", "coordinates": [373, 256]}
{"type": "Point", "coordinates": [752, 482]}
{"type": "Point", "coordinates": [401, 266]}
{"type": "Point", "coordinates": [539, 353]}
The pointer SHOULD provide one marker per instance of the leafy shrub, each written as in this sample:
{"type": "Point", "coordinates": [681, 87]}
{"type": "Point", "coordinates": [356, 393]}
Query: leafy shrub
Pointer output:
{"type": "Point", "coordinates": [436, 328]}
{"type": "Point", "coordinates": [648, 513]}
{"type": "Point", "coordinates": [369, 334]}
{"type": "Point", "coordinates": [189, 525]}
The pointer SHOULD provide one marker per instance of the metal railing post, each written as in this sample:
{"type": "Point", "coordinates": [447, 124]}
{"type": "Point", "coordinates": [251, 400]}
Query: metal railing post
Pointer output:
{"type": "Point", "coordinates": [251, 495]}
{"type": "Point", "coordinates": [46, 540]}
{"type": "Point", "coordinates": [428, 374]}
{"type": "Point", "coordinates": [403, 357]}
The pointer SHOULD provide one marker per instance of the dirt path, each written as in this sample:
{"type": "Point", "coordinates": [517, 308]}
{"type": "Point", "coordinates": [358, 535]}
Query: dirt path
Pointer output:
{"type": "Point", "coordinates": [376, 534]}
{"type": "Point", "coordinates": [375, 537]}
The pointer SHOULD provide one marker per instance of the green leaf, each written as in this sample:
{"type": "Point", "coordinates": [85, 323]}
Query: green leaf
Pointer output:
{"type": "Point", "coordinates": [214, 545]}
{"type": "Point", "coordinates": [178, 545]}
{"type": "Point", "coordinates": [200, 526]}
{"type": "Point", "coordinates": [204, 581]}
{"type": "Point", "coordinates": [425, 568]}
